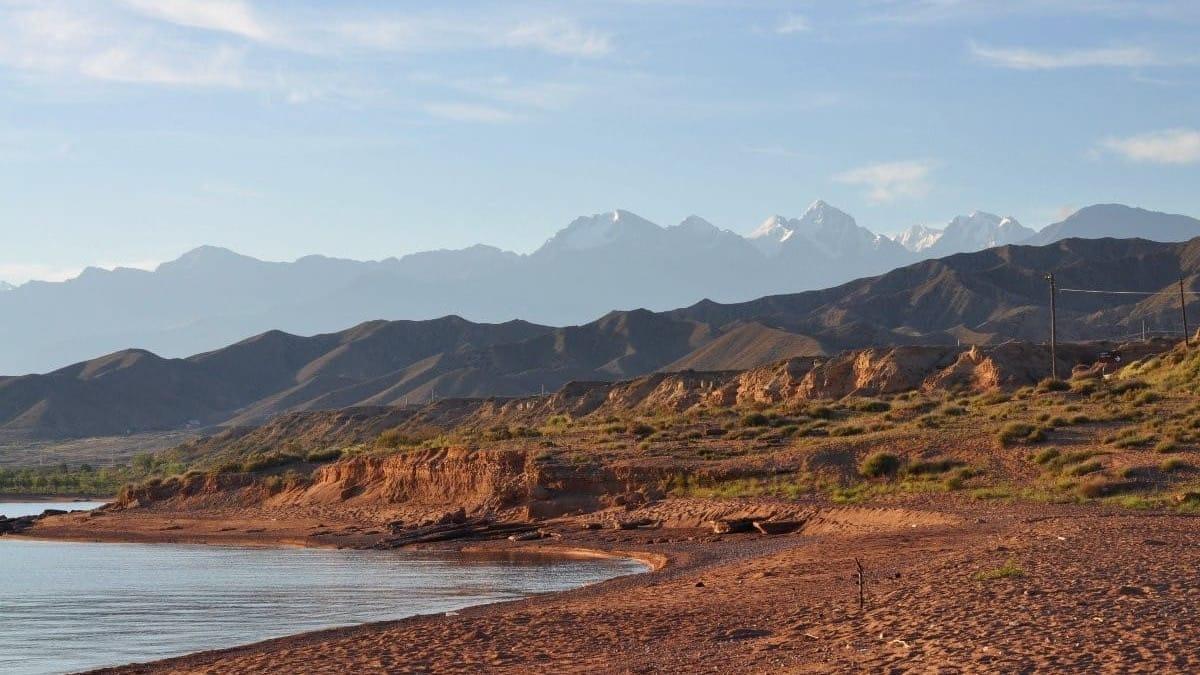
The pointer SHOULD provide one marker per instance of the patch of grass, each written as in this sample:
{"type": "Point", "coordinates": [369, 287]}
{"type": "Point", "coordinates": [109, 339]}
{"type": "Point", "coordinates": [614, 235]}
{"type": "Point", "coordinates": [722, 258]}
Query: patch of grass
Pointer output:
{"type": "Point", "coordinates": [1124, 386]}
{"type": "Point", "coordinates": [1051, 384]}
{"type": "Point", "coordinates": [755, 420]}
{"type": "Point", "coordinates": [1147, 397]}
{"type": "Point", "coordinates": [1015, 432]}
{"type": "Point", "coordinates": [848, 430]}
{"type": "Point", "coordinates": [1010, 570]}
{"type": "Point", "coordinates": [641, 429]}
{"type": "Point", "coordinates": [1083, 468]}
{"type": "Point", "coordinates": [1166, 446]}
{"type": "Point", "coordinates": [326, 455]}
{"type": "Point", "coordinates": [871, 406]}
{"type": "Point", "coordinates": [1140, 502]}
{"type": "Point", "coordinates": [991, 492]}
{"type": "Point", "coordinates": [1172, 464]}
{"type": "Point", "coordinates": [993, 398]}
{"type": "Point", "coordinates": [1046, 456]}
{"type": "Point", "coordinates": [879, 464]}
{"type": "Point", "coordinates": [929, 467]}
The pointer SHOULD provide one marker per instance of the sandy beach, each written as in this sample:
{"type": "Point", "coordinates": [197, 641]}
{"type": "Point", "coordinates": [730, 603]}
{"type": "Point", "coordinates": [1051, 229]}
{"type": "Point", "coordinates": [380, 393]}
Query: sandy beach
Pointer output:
{"type": "Point", "coordinates": [948, 586]}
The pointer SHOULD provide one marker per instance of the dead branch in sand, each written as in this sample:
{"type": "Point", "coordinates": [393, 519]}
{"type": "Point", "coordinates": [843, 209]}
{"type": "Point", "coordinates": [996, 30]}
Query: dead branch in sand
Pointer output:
{"type": "Point", "coordinates": [475, 529]}
{"type": "Point", "coordinates": [862, 584]}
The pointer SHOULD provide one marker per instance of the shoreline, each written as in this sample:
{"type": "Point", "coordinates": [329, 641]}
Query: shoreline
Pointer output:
{"type": "Point", "coordinates": [756, 603]}
{"type": "Point", "coordinates": [28, 498]}
{"type": "Point", "coordinates": [500, 548]}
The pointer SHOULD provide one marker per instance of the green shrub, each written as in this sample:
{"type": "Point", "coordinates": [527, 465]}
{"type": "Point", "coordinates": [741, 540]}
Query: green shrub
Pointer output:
{"type": "Point", "coordinates": [755, 420]}
{"type": "Point", "coordinates": [326, 455]}
{"type": "Point", "coordinates": [879, 464]}
{"type": "Point", "coordinates": [1128, 385]}
{"type": "Point", "coordinates": [1046, 456]}
{"type": "Point", "coordinates": [1166, 446]}
{"type": "Point", "coordinates": [1019, 431]}
{"type": "Point", "coordinates": [929, 467]}
{"type": "Point", "coordinates": [823, 412]}
{"type": "Point", "coordinates": [1083, 468]}
{"type": "Point", "coordinates": [872, 406]}
{"type": "Point", "coordinates": [641, 429]}
{"type": "Point", "coordinates": [848, 430]}
{"type": "Point", "coordinates": [264, 462]}
{"type": "Point", "coordinates": [394, 438]}
{"type": "Point", "coordinates": [1147, 397]}
{"type": "Point", "coordinates": [1051, 384]}
{"type": "Point", "coordinates": [1172, 464]}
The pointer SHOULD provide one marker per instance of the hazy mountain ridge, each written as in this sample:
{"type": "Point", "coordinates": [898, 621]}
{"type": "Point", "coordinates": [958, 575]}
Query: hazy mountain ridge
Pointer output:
{"type": "Point", "coordinates": [984, 297]}
{"type": "Point", "coordinates": [212, 296]}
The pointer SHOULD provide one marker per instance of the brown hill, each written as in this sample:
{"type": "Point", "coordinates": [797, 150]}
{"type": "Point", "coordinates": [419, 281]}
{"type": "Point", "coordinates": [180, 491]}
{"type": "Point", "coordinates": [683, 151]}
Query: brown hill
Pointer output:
{"type": "Point", "coordinates": [748, 345]}
{"type": "Point", "coordinates": [977, 298]}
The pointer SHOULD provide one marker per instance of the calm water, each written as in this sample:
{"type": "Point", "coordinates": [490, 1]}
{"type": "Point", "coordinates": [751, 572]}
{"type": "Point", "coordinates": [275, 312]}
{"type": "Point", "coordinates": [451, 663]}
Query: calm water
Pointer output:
{"type": "Point", "coordinates": [71, 606]}
{"type": "Point", "coordinates": [14, 509]}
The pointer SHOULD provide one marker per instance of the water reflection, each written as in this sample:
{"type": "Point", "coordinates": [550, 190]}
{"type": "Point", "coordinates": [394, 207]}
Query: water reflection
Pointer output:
{"type": "Point", "coordinates": [71, 606]}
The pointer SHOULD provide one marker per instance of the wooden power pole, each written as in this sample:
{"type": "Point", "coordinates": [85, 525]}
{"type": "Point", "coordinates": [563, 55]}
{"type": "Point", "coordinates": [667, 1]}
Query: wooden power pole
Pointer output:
{"type": "Point", "coordinates": [1053, 327]}
{"type": "Point", "coordinates": [1183, 313]}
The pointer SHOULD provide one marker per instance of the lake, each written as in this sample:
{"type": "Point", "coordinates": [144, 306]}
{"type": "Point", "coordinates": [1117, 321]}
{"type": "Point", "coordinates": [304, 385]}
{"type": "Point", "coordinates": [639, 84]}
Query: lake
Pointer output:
{"type": "Point", "coordinates": [68, 606]}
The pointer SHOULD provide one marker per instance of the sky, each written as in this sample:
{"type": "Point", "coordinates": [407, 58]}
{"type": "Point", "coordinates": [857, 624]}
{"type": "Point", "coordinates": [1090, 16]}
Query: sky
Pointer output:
{"type": "Point", "coordinates": [134, 130]}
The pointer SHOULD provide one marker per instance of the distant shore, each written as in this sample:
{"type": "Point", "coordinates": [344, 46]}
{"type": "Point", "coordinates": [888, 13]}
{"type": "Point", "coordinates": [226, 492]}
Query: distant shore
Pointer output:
{"type": "Point", "coordinates": [38, 498]}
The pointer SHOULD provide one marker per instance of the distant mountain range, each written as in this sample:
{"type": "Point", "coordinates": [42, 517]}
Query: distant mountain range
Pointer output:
{"type": "Point", "coordinates": [983, 297]}
{"type": "Point", "coordinates": [211, 296]}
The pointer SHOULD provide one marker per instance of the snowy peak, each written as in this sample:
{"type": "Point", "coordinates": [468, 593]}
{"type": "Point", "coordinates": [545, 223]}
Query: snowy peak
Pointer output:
{"type": "Point", "coordinates": [977, 231]}
{"type": "Point", "coordinates": [822, 229]}
{"type": "Point", "coordinates": [602, 229]}
{"type": "Point", "coordinates": [821, 216]}
{"type": "Point", "coordinates": [919, 237]}
{"type": "Point", "coordinates": [769, 237]}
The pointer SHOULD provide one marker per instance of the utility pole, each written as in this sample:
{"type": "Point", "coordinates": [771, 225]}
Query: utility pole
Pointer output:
{"type": "Point", "coordinates": [1183, 312]}
{"type": "Point", "coordinates": [1053, 328]}
{"type": "Point", "coordinates": [1143, 330]}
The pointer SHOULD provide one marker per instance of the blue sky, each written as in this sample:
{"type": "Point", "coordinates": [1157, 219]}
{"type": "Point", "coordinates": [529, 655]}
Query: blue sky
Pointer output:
{"type": "Point", "coordinates": [132, 130]}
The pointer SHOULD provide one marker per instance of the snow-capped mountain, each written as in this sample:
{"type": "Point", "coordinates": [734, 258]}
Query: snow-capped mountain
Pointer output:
{"type": "Point", "coordinates": [919, 237]}
{"type": "Point", "coordinates": [599, 230]}
{"type": "Point", "coordinates": [5, 286]}
{"type": "Point", "coordinates": [211, 296]}
{"type": "Point", "coordinates": [973, 232]}
{"type": "Point", "coordinates": [978, 231]}
{"type": "Point", "coordinates": [822, 229]}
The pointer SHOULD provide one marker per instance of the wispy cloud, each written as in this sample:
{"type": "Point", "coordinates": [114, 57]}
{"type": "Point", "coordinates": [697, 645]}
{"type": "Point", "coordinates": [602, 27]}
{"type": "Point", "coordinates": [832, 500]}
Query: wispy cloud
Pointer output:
{"type": "Point", "coordinates": [54, 39]}
{"type": "Point", "coordinates": [470, 112]}
{"type": "Point", "coordinates": [889, 181]}
{"type": "Point", "coordinates": [1171, 146]}
{"type": "Point", "coordinates": [936, 11]}
{"type": "Point", "coordinates": [1023, 58]}
{"type": "Point", "coordinates": [403, 33]}
{"type": "Point", "coordinates": [226, 16]}
{"type": "Point", "coordinates": [557, 36]}
{"type": "Point", "coordinates": [237, 44]}
{"type": "Point", "coordinates": [793, 23]}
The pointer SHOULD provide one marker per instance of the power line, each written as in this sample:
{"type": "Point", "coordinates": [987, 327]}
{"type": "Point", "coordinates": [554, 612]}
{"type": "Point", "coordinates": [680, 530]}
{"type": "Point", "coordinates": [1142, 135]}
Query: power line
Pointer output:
{"type": "Point", "coordinates": [1093, 290]}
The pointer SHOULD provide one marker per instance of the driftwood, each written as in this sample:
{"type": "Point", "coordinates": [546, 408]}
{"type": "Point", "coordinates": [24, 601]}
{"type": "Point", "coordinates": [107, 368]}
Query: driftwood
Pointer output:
{"type": "Point", "coordinates": [479, 528]}
{"type": "Point", "coordinates": [778, 526]}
